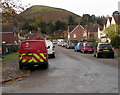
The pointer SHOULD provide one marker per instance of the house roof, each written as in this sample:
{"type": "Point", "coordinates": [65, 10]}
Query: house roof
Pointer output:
{"type": "Point", "coordinates": [39, 35]}
{"type": "Point", "coordinates": [71, 27]}
{"type": "Point", "coordinates": [117, 18]}
{"type": "Point", "coordinates": [76, 28]}
{"type": "Point", "coordinates": [58, 31]}
{"type": "Point", "coordinates": [94, 28]}
{"type": "Point", "coordinates": [7, 28]}
{"type": "Point", "coordinates": [104, 21]}
{"type": "Point", "coordinates": [35, 35]}
{"type": "Point", "coordinates": [110, 18]}
{"type": "Point", "coordinates": [65, 31]}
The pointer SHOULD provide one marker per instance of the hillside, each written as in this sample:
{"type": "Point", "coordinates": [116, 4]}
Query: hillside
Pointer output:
{"type": "Point", "coordinates": [49, 14]}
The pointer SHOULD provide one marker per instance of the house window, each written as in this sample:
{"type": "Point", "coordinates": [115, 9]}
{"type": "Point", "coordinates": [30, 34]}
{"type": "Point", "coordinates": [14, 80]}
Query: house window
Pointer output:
{"type": "Point", "coordinates": [91, 35]}
{"type": "Point", "coordinates": [68, 36]}
{"type": "Point", "coordinates": [74, 35]}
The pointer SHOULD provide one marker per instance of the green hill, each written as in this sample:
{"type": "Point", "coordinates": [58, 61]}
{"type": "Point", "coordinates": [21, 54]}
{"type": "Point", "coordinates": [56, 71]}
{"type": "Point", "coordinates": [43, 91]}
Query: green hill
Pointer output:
{"type": "Point", "coordinates": [49, 14]}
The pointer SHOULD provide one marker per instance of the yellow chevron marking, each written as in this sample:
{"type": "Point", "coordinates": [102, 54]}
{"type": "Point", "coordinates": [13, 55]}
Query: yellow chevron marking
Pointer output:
{"type": "Point", "coordinates": [30, 54]}
{"type": "Point", "coordinates": [22, 56]}
{"type": "Point", "coordinates": [34, 60]}
{"type": "Point", "coordinates": [42, 55]}
{"type": "Point", "coordinates": [30, 60]}
{"type": "Point", "coordinates": [23, 60]}
{"type": "Point", "coordinates": [38, 57]}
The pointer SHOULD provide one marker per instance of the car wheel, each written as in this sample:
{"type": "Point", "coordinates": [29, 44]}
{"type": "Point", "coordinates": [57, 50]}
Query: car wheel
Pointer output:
{"type": "Point", "coordinates": [94, 54]}
{"type": "Point", "coordinates": [53, 55]}
{"type": "Point", "coordinates": [83, 51]}
{"type": "Point", "coordinates": [97, 55]}
{"type": "Point", "coordinates": [112, 56]}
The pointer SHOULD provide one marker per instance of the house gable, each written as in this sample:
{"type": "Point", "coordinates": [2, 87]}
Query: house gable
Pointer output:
{"type": "Point", "coordinates": [113, 20]}
{"type": "Point", "coordinates": [77, 33]}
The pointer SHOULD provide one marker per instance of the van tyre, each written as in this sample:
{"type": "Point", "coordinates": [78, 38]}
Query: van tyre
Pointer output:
{"type": "Point", "coordinates": [46, 65]}
{"type": "Point", "coordinates": [20, 66]}
{"type": "Point", "coordinates": [32, 68]}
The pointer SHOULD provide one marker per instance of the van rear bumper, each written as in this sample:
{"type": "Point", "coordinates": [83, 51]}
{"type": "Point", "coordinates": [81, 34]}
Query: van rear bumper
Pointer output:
{"type": "Point", "coordinates": [33, 63]}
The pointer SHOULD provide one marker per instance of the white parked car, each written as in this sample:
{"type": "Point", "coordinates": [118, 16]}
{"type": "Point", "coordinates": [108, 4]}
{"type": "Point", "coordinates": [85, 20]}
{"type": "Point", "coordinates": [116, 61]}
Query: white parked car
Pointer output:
{"type": "Point", "coordinates": [51, 48]}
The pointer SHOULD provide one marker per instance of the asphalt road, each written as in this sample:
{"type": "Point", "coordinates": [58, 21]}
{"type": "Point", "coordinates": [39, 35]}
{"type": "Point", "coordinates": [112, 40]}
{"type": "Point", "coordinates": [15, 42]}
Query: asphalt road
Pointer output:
{"type": "Point", "coordinates": [71, 72]}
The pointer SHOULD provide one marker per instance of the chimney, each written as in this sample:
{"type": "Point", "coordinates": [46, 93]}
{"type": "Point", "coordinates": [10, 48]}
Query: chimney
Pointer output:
{"type": "Point", "coordinates": [39, 29]}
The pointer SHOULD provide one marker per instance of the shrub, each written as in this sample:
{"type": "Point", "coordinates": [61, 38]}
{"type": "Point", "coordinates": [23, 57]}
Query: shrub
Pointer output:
{"type": "Point", "coordinates": [115, 41]}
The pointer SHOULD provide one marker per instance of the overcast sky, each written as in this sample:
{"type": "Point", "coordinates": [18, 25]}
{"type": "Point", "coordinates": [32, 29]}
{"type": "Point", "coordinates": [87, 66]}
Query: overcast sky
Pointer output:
{"type": "Point", "coordinates": [80, 7]}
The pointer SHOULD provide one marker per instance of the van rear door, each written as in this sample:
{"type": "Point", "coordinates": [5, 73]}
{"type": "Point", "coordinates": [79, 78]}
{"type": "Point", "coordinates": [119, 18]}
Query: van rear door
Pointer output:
{"type": "Point", "coordinates": [33, 47]}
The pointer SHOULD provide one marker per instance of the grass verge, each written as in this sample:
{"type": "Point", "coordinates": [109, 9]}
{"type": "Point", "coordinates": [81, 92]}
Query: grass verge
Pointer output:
{"type": "Point", "coordinates": [11, 56]}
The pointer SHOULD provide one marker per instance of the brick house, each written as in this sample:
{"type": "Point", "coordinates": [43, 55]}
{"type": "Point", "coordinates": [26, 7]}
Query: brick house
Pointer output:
{"type": "Point", "coordinates": [93, 31]}
{"type": "Point", "coordinates": [35, 35]}
{"type": "Point", "coordinates": [65, 34]}
{"type": "Point", "coordinates": [58, 34]}
{"type": "Point", "coordinates": [9, 35]}
{"type": "Point", "coordinates": [76, 33]}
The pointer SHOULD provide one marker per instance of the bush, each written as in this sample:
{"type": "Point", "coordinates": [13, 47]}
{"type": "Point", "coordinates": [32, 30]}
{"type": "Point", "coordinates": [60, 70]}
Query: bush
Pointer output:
{"type": "Point", "coordinates": [115, 41]}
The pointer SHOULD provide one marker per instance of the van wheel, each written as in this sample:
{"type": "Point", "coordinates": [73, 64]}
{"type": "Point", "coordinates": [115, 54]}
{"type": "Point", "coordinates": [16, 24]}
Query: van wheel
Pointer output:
{"type": "Point", "coordinates": [32, 68]}
{"type": "Point", "coordinates": [20, 66]}
{"type": "Point", "coordinates": [46, 65]}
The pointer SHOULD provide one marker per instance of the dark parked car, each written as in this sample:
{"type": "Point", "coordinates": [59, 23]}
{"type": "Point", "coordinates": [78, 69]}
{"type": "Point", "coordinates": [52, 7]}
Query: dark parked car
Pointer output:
{"type": "Point", "coordinates": [87, 47]}
{"type": "Point", "coordinates": [104, 50]}
{"type": "Point", "coordinates": [71, 44]}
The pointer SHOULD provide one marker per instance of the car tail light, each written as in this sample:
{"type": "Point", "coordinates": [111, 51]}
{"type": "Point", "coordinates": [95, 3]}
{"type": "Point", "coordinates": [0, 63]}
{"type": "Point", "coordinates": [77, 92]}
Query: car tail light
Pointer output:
{"type": "Point", "coordinates": [113, 49]}
{"type": "Point", "coordinates": [99, 49]}
{"type": "Point", "coordinates": [84, 47]}
{"type": "Point", "coordinates": [53, 48]}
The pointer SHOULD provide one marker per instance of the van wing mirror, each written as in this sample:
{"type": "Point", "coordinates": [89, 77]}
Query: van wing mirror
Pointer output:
{"type": "Point", "coordinates": [48, 47]}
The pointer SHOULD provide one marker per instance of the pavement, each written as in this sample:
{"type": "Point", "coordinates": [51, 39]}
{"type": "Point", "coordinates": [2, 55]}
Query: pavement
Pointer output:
{"type": "Point", "coordinates": [10, 71]}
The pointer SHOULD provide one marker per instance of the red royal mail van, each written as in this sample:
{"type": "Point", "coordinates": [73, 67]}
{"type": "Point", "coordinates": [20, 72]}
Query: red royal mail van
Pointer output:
{"type": "Point", "coordinates": [33, 52]}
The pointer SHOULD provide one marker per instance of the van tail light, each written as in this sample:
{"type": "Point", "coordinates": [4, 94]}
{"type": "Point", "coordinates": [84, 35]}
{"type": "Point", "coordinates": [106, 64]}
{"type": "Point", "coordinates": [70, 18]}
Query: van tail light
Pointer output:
{"type": "Point", "coordinates": [46, 55]}
{"type": "Point", "coordinates": [99, 49]}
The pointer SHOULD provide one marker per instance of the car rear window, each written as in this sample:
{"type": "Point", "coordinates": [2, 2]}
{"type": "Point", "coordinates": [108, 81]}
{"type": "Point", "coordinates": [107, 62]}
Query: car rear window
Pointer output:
{"type": "Point", "coordinates": [104, 46]}
{"type": "Point", "coordinates": [74, 41]}
{"type": "Point", "coordinates": [89, 44]}
{"type": "Point", "coordinates": [49, 43]}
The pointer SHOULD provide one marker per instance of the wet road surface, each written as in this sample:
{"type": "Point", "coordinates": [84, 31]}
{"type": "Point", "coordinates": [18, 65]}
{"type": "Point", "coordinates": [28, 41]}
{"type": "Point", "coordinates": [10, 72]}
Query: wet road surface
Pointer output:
{"type": "Point", "coordinates": [70, 72]}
